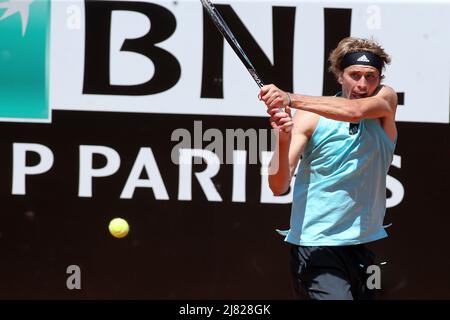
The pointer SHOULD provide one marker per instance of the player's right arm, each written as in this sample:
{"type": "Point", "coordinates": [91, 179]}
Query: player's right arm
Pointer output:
{"type": "Point", "coordinates": [288, 149]}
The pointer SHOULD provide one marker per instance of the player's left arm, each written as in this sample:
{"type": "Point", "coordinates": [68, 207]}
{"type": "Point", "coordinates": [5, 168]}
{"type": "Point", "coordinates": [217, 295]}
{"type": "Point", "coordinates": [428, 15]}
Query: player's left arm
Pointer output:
{"type": "Point", "coordinates": [381, 105]}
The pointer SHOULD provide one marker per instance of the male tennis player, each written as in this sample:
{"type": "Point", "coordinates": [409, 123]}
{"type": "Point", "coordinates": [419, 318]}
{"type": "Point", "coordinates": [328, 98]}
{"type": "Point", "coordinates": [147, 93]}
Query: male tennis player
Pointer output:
{"type": "Point", "coordinates": [346, 145]}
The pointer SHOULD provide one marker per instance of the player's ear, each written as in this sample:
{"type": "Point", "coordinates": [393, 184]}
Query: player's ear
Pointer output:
{"type": "Point", "coordinates": [340, 79]}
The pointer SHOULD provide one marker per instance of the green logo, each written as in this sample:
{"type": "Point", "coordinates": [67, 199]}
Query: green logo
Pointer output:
{"type": "Point", "coordinates": [24, 47]}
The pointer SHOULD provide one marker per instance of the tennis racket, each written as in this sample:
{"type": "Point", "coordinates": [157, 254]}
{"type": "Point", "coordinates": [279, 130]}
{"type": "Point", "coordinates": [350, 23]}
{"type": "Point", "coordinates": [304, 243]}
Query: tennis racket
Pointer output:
{"type": "Point", "coordinates": [231, 39]}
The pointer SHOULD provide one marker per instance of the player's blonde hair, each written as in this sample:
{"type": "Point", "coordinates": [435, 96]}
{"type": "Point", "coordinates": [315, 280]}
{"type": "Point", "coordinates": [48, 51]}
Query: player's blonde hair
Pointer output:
{"type": "Point", "coordinates": [351, 44]}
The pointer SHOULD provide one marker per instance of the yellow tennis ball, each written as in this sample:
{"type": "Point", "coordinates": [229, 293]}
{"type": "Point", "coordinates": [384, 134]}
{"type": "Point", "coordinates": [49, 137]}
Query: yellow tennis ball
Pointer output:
{"type": "Point", "coordinates": [119, 227]}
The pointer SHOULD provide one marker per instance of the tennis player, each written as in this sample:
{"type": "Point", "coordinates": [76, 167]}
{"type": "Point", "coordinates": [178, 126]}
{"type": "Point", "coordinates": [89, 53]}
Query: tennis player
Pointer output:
{"type": "Point", "coordinates": [346, 145]}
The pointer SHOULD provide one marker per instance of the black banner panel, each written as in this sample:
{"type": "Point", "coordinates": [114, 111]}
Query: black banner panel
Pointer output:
{"type": "Point", "coordinates": [194, 233]}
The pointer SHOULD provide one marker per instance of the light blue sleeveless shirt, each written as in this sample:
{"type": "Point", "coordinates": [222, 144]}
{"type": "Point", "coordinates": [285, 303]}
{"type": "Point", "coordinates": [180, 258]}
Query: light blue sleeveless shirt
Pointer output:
{"type": "Point", "coordinates": [340, 190]}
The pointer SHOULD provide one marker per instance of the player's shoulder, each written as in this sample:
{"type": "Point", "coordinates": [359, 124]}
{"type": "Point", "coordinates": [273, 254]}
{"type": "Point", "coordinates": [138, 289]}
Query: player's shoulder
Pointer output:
{"type": "Point", "coordinates": [388, 94]}
{"type": "Point", "coordinates": [386, 90]}
{"type": "Point", "coordinates": [305, 122]}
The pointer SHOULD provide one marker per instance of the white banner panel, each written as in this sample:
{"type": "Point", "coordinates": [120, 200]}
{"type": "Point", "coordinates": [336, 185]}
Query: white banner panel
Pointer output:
{"type": "Point", "coordinates": [415, 33]}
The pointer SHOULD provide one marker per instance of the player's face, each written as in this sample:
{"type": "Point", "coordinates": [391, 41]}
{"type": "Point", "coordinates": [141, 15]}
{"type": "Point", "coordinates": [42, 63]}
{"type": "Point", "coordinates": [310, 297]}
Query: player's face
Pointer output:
{"type": "Point", "coordinates": [359, 81]}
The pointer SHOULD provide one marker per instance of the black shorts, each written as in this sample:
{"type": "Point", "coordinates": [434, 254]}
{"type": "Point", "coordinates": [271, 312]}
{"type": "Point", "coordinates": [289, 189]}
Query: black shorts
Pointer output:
{"type": "Point", "coordinates": [331, 272]}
